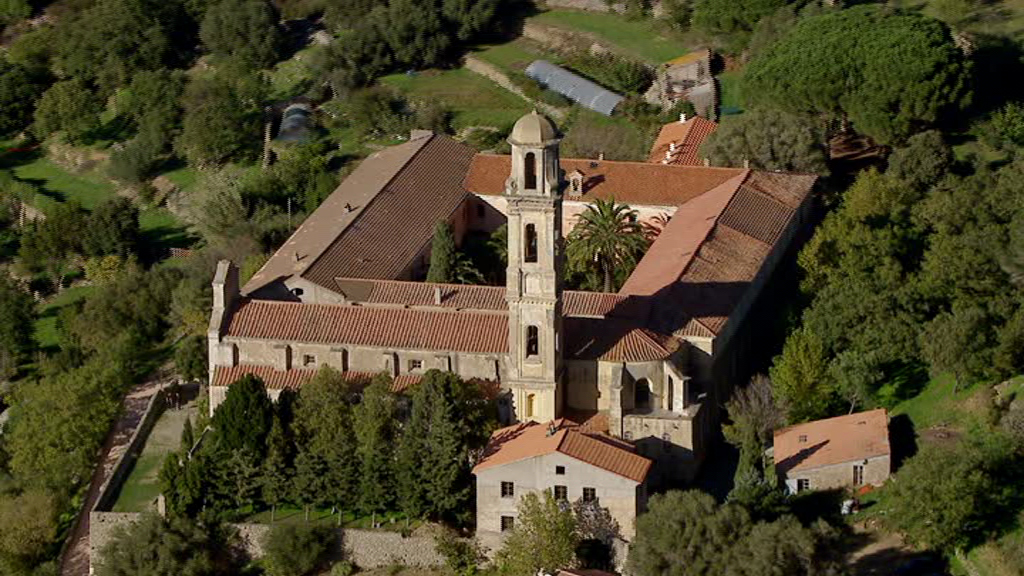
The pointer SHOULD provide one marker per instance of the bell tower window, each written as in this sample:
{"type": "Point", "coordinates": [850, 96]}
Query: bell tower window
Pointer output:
{"type": "Point", "coordinates": [530, 171]}
{"type": "Point", "coordinates": [532, 341]}
{"type": "Point", "coordinates": [531, 243]}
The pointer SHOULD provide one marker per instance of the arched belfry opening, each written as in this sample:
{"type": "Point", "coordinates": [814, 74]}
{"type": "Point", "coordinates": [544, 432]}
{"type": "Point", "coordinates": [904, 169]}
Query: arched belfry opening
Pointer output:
{"type": "Point", "coordinates": [530, 171]}
{"type": "Point", "coordinates": [642, 397]}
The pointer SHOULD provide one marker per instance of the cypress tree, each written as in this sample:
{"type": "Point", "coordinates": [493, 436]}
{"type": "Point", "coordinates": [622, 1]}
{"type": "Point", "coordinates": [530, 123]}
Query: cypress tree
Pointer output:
{"type": "Point", "coordinates": [443, 254]}
{"type": "Point", "coordinates": [243, 420]}
{"type": "Point", "coordinates": [275, 480]}
{"type": "Point", "coordinates": [374, 419]}
{"type": "Point", "coordinates": [187, 436]}
{"type": "Point", "coordinates": [323, 418]}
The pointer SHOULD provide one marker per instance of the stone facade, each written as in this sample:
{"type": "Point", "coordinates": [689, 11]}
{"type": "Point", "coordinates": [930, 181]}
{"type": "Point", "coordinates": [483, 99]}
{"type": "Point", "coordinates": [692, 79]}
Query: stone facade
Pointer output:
{"type": "Point", "coordinates": [624, 498]}
{"type": "Point", "coordinates": [873, 471]}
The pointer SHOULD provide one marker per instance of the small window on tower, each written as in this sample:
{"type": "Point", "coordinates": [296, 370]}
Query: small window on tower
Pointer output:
{"type": "Point", "coordinates": [531, 243]}
{"type": "Point", "coordinates": [532, 341]}
{"type": "Point", "coordinates": [530, 170]}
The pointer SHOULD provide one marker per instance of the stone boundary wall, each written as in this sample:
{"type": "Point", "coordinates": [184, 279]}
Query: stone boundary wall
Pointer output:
{"type": "Point", "coordinates": [364, 548]}
{"type": "Point", "coordinates": [498, 77]}
{"type": "Point", "coordinates": [112, 487]}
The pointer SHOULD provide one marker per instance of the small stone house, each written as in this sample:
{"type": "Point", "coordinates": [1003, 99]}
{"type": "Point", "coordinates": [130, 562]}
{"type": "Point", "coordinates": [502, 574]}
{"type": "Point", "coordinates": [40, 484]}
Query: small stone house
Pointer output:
{"type": "Point", "coordinates": [565, 458]}
{"type": "Point", "coordinates": [843, 452]}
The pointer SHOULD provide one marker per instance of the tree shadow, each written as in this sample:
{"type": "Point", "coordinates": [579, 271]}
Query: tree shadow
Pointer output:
{"type": "Point", "coordinates": [900, 562]}
{"type": "Point", "coordinates": [902, 440]}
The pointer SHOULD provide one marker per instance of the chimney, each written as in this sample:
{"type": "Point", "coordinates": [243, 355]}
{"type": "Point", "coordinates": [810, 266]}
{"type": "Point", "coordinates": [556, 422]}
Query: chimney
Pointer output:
{"type": "Point", "coordinates": [707, 161]}
{"type": "Point", "coordinates": [682, 117]}
{"type": "Point", "coordinates": [551, 429]}
{"type": "Point", "coordinates": [672, 147]}
{"type": "Point", "coordinates": [600, 157]}
{"type": "Point", "coordinates": [668, 154]}
{"type": "Point", "coordinates": [746, 163]}
{"type": "Point", "coordinates": [437, 295]}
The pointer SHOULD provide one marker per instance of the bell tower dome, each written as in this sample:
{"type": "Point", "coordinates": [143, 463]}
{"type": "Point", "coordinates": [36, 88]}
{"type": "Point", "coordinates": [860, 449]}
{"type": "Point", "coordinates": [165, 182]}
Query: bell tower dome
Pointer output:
{"type": "Point", "coordinates": [533, 194]}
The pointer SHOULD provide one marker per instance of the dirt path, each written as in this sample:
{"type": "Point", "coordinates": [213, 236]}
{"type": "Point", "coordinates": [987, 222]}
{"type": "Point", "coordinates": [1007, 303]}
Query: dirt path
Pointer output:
{"type": "Point", "coordinates": [75, 561]}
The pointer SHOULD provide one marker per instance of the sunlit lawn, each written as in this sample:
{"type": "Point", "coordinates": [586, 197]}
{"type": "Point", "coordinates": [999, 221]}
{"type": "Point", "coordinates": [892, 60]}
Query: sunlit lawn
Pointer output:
{"type": "Point", "coordinates": [473, 99]}
{"type": "Point", "coordinates": [643, 39]}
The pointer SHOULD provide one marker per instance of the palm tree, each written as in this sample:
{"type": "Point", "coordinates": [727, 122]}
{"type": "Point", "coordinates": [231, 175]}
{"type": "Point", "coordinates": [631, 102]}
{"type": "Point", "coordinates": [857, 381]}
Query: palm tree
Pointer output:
{"type": "Point", "coordinates": [608, 235]}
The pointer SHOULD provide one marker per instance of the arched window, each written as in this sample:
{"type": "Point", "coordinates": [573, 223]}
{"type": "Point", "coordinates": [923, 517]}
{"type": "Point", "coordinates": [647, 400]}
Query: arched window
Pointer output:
{"type": "Point", "coordinates": [529, 405]}
{"type": "Point", "coordinates": [530, 170]}
{"type": "Point", "coordinates": [532, 341]}
{"type": "Point", "coordinates": [531, 243]}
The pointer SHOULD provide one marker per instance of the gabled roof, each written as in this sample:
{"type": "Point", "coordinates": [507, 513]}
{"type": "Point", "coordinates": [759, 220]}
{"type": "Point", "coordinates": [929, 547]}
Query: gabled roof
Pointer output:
{"type": "Point", "coordinates": [679, 142]}
{"type": "Point", "coordinates": [706, 257]}
{"type": "Point", "coordinates": [435, 329]}
{"type": "Point", "coordinates": [472, 297]}
{"type": "Point", "coordinates": [850, 438]}
{"type": "Point", "coordinates": [574, 87]}
{"type": "Point", "coordinates": [639, 183]}
{"type": "Point", "coordinates": [532, 439]}
{"type": "Point", "coordinates": [379, 218]}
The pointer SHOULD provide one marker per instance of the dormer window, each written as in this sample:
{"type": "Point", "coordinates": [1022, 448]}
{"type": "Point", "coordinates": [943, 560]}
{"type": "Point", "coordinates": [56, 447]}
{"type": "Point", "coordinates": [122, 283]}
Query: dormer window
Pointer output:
{"type": "Point", "coordinates": [530, 171]}
{"type": "Point", "coordinates": [576, 183]}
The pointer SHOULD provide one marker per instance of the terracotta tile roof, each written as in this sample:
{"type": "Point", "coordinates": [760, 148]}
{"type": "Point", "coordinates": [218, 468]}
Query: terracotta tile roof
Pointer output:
{"type": "Point", "coordinates": [532, 439]}
{"type": "Point", "coordinates": [832, 441]}
{"type": "Point", "coordinates": [293, 379]}
{"type": "Point", "coordinates": [405, 188]}
{"type": "Point", "coordinates": [638, 183]}
{"type": "Point", "coordinates": [470, 297]}
{"type": "Point", "coordinates": [680, 240]}
{"type": "Point", "coordinates": [437, 329]}
{"type": "Point", "coordinates": [703, 262]}
{"type": "Point", "coordinates": [615, 341]}
{"type": "Point", "coordinates": [686, 138]}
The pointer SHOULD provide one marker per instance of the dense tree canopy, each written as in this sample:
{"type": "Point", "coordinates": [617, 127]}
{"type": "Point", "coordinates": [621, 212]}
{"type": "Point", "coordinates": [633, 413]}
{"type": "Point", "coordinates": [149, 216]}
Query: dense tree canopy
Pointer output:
{"type": "Point", "coordinates": [16, 315]}
{"type": "Point", "coordinates": [68, 106]}
{"type": "Point", "coordinates": [768, 140]}
{"type": "Point", "coordinates": [732, 20]}
{"type": "Point", "coordinates": [688, 533]}
{"type": "Point", "coordinates": [19, 90]}
{"type": "Point", "coordinates": [156, 546]}
{"type": "Point", "coordinates": [245, 30]}
{"type": "Point", "coordinates": [891, 73]}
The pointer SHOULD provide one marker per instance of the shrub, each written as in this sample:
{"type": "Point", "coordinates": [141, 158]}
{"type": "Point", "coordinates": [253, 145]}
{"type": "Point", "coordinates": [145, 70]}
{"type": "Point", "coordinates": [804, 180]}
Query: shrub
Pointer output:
{"type": "Point", "coordinates": [343, 568]}
{"type": "Point", "coordinates": [460, 555]}
{"type": "Point", "coordinates": [296, 549]}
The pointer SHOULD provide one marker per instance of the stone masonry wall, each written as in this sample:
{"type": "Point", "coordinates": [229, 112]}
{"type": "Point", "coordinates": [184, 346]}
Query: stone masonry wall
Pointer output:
{"type": "Point", "coordinates": [364, 548]}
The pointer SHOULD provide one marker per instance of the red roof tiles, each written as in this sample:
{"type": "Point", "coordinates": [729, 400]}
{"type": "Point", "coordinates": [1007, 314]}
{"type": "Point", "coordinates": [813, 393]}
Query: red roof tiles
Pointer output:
{"type": "Point", "coordinates": [630, 182]}
{"type": "Point", "coordinates": [478, 332]}
{"type": "Point", "coordinates": [679, 143]}
{"type": "Point", "coordinates": [532, 439]}
{"type": "Point", "coordinates": [832, 441]}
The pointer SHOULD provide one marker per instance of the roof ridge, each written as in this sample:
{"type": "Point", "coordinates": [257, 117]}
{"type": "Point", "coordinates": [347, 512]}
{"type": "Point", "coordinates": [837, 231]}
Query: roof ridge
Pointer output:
{"type": "Point", "coordinates": [633, 163]}
{"type": "Point", "coordinates": [426, 141]}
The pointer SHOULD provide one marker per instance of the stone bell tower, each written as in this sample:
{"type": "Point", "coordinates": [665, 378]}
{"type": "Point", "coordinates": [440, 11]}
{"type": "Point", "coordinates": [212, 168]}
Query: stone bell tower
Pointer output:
{"type": "Point", "coordinates": [534, 275]}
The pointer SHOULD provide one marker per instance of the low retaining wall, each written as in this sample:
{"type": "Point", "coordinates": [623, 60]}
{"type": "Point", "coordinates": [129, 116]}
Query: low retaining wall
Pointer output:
{"type": "Point", "coordinates": [364, 548]}
{"type": "Point", "coordinates": [112, 487]}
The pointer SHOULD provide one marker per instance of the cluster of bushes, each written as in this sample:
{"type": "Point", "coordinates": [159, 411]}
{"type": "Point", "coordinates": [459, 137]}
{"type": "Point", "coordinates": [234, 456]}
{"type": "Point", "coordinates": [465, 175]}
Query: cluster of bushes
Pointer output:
{"type": "Point", "coordinates": [334, 446]}
{"type": "Point", "coordinates": [617, 73]}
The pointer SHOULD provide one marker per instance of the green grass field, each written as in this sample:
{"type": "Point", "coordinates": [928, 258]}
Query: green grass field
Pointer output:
{"type": "Point", "coordinates": [473, 99]}
{"type": "Point", "coordinates": [88, 189]}
{"type": "Point", "coordinates": [512, 56]}
{"type": "Point", "coordinates": [142, 486]}
{"type": "Point", "coordinates": [45, 329]}
{"type": "Point", "coordinates": [643, 39]}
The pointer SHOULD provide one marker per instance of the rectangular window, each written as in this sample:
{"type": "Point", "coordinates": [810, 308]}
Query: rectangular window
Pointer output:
{"type": "Point", "coordinates": [532, 341]}
{"type": "Point", "coordinates": [415, 365]}
{"type": "Point", "coordinates": [561, 493]}
{"type": "Point", "coordinates": [858, 475]}
{"type": "Point", "coordinates": [560, 470]}
{"type": "Point", "coordinates": [507, 523]}
{"type": "Point", "coordinates": [508, 489]}
{"type": "Point", "coordinates": [589, 494]}
{"type": "Point", "coordinates": [308, 360]}
{"type": "Point", "coordinates": [803, 484]}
